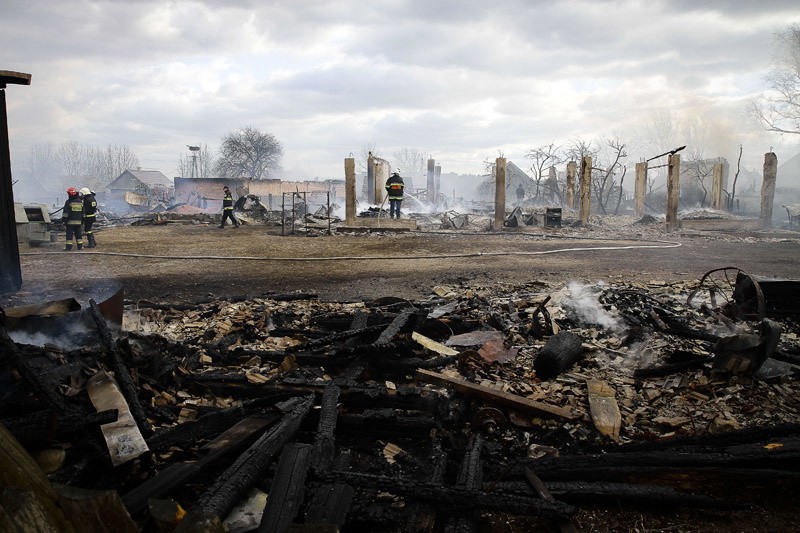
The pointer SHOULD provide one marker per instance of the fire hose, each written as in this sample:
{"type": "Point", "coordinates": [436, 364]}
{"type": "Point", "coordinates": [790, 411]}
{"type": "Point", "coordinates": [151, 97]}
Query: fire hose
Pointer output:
{"type": "Point", "coordinates": [660, 244]}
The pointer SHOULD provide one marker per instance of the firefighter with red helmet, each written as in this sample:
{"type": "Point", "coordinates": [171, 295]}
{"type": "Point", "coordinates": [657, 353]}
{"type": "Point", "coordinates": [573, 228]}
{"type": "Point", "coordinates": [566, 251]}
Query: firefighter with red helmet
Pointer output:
{"type": "Point", "coordinates": [72, 216]}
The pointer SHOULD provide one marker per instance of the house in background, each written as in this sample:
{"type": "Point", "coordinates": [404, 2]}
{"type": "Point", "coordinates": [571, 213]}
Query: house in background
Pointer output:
{"type": "Point", "coordinates": [139, 190]}
{"type": "Point", "coordinates": [515, 177]}
{"type": "Point", "coordinates": [206, 193]}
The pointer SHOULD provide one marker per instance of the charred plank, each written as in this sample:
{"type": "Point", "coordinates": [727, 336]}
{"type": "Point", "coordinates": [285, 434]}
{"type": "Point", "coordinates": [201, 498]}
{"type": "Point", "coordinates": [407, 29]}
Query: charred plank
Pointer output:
{"type": "Point", "coordinates": [288, 488]}
{"type": "Point", "coordinates": [453, 496]}
{"type": "Point", "coordinates": [218, 499]}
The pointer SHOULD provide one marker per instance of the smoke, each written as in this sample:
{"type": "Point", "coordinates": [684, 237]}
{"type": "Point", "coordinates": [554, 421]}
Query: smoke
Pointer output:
{"type": "Point", "coordinates": [69, 335]}
{"type": "Point", "coordinates": [582, 305]}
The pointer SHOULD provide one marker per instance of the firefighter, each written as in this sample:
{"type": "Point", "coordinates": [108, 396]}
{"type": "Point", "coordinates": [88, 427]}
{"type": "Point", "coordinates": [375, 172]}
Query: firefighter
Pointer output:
{"type": "Point", "coordinates": [227, 208]}
{"type": "Point", "coordinates": [394, 190]}
{"type": "Point", "coordinates": [89, 214]}
{"type": "Point", "coordinates": [72, 216]}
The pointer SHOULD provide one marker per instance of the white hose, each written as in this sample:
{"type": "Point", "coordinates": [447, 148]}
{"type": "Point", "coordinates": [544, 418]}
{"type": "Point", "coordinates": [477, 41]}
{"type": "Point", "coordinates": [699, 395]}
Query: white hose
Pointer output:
{"type": "Point", "coordinates": [662, 244]}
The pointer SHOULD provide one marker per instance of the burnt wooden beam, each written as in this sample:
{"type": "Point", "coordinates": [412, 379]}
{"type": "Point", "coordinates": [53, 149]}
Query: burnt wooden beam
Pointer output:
{"type": "Point", "coordinates": [251, 466]}
{"type": "Point", "coordinates": [422, 514]}
{"type": "Point", "coordinates": [212, 423]}
{"type": "Point", "coordinates": [326, 341]}
{"type": "Point", "coordinates": [613, 493]}
{"type": "Point", "coordinates": [325, 441]}
{"type": "Point", "coordinates": [775, 454]}
{"type": "Point", "coordinates": [179, 474]}
{"type": "Point", "coordinates": [406, 364]}
{"type": "Point", "coordinates": [387, 420]}
{"type": "Point", "coordinates": [564, 525]}
{"type": "Point", "coordinates": [287, 492]}
{"type": "Point", "coordinates": [329, 503]}
{"type": "Point", "coordinates": [496, 396]}
{"type": "Point", "coordinates": [452, 496]}
{"type": "Point", "coordinates": [470, 477]}
{"type": "Point", "coordinates": [44, 427]}
{"type": "Point", "coordinates": [394, 327]}
{"type": "Point", "coordinates": [123, 376]}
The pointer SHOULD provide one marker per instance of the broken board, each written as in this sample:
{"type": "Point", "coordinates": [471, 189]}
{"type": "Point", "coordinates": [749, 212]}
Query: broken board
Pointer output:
{"type": "Point", "coordinates": [123, 438]}
{"type": "Point", "coordinates": [603, 408]}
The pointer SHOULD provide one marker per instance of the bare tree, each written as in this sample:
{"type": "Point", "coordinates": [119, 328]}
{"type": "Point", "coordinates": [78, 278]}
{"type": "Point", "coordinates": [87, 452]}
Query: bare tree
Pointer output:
{"type": "Point", "coordinates": [697, 169]}
{"type": "Point", "coordinates": [542, 158]}
{"type": "Point", "coordinates": [201, 160]}
{"type": "Point", "coordinates": [72, 155]}
{"type": "Point", "coordinates": [732, 194]}
{"type": "Point", "coordinates": [778, 109]}
{"type": "Point", "coordinates": [106, 164]}
{"type": "Point", "coordinates": [411, 161]}
{"type": "Point", "coordinates": [604, 180]}
{"type": "Point", "coordinates": [42, 162]}
{"type": "Point", "coordinates": [578, 148]}
{"type": "Point", "coordinates": [249, 152]}
{"type": "Point", "coordinates": [369, 149]}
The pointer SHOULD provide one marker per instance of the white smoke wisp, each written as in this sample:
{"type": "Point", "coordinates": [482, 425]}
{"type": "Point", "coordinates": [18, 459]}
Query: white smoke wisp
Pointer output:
{"type": "Point", "coordinates": [583, 305]}
{"type": "Point", "coordinates": [71, 336]}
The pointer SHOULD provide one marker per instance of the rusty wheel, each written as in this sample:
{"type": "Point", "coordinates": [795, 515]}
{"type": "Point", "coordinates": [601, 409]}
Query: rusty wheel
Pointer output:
{"type": "Point", "coordinates": [732, 292]}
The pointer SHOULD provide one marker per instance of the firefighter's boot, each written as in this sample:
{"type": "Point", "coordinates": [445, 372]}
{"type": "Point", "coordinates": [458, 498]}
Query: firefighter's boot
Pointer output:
{"type": "Point", "coordinates": [92, 243]}
{"type": "Point", "coordinates": [80, 245]}
{"type": "Point", "coordinates": [68, 247]}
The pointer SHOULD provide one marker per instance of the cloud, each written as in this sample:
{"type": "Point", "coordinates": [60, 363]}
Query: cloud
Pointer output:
{"type": "Point", "coordinates": [460, 79]}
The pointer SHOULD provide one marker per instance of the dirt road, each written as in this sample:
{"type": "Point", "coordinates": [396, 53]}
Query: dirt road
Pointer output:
{"type": "Point", "coordinates": [184, 262]}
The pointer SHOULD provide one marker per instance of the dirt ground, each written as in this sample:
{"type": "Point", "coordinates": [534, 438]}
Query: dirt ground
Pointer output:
{"type": "Point", "coordinates": [197, 262]}
{"type": "Point", "coordinates": [178, 263]}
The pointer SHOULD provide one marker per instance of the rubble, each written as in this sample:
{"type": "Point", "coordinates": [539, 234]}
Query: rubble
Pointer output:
{"type": "Point", "coordinates": [395, 415]}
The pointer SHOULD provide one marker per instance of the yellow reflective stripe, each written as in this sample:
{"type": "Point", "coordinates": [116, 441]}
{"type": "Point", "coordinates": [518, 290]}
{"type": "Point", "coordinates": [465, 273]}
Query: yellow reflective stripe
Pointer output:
{"type": "Point", "coordinates": [90, 215]}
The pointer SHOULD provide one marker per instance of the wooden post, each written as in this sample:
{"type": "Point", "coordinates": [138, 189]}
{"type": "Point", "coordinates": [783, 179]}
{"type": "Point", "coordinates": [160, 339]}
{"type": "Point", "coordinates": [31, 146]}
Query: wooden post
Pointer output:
{"type": "Point", "coordinates": [716, 186]}
{"type": "Point", "coordinates": [10, 271]}
{"type": "Point", "coordinates": [586, 189]}
{"type": "Point", "coordinates": [673, 190]}
{"type": "Point", "coordinates": [640, 189]}
{"type": "Point", "coordinates": [569, 194]}
{"type": "Point", "coordinates": [768, 188]}
{"type": "Point", "coordinates": [437, 179]}
{"type": "Point", "coordinates": [431, 185]}
{"type": "Point", "coordinates": [371, 179]}
{"type": "Point", "coordinates": [499, 192]}
{"type": "Point", "coordinates": [350, 191]}
{"type": "Point", "coordinates": [381, 175]}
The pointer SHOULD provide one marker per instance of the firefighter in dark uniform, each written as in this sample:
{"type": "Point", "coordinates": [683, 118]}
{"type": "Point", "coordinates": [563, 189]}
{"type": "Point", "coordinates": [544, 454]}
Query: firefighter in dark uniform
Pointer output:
{"type": "Point", "coordinates": [72, 216]}
{"type": "Point", "coordinates": [227, 208]}
{"type": "Point", "coordinates": [89, 215]}
{"type": "Point", "coordinates": [394, 190]}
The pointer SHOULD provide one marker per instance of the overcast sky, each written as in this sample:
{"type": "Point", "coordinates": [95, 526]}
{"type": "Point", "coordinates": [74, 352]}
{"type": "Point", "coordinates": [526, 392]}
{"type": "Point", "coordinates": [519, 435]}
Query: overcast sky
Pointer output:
{"type": "Point", "coordinates": [462, 81]}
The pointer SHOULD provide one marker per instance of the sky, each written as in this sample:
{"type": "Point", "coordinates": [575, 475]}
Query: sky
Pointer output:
{"type": "Point", "coordinates": [462, 81]}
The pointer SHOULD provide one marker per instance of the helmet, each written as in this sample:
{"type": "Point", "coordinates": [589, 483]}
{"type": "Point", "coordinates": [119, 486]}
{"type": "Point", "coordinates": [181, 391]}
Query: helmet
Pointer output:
{"type": "Point", "coordinates": [72, 191]}
{"type": "Point", "coordinates": [85, 190]}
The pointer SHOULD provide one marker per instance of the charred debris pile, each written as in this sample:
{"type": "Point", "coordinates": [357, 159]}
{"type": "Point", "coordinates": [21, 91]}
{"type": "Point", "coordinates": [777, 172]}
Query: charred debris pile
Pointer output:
{"type": "Point", "coordinates": [286, 412]}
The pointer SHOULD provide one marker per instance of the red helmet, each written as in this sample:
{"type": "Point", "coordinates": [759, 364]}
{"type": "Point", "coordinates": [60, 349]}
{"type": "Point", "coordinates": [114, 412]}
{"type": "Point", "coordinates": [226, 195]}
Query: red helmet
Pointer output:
{"type": "Point", "coordinates": [72, 191]}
